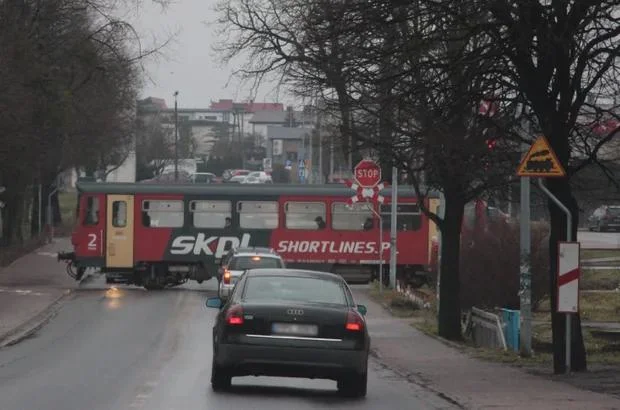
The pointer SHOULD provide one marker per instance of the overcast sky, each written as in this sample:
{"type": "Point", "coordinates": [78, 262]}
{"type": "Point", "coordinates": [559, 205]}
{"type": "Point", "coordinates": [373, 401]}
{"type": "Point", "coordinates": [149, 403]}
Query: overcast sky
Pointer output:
{"type": "Point", "coordinates": [189, 65]}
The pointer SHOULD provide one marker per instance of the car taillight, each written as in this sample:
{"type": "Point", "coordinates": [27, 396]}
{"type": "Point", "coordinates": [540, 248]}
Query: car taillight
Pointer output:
{"type": "Point", "coordinates": [234, 316]}
{"type": "Point", "coordinates": [355, 322]}
{"type": "Point", "coordinates": [227, 276]}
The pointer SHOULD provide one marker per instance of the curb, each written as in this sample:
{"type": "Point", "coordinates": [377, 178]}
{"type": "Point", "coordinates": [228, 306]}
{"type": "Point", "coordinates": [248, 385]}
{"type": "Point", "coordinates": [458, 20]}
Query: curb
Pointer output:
{"type": "Point", "coordinates": [35, 323]}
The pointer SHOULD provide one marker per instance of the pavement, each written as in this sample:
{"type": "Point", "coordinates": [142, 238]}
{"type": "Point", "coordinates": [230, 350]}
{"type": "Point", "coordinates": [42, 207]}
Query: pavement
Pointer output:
{"type": "Point", "coordinates": [135, 349]}
{"type": "Point", "coordinates": [30, 288]}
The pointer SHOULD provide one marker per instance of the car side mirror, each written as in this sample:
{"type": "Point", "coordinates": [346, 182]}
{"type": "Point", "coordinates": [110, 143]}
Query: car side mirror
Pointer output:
{"type": "Point", "coordinates": [362, 309]}
{"type": "Point", "coordinates": [214, 303]}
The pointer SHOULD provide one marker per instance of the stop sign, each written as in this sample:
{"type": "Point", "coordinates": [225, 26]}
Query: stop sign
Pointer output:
{"type": "Point", "coordinates": [367, 173]}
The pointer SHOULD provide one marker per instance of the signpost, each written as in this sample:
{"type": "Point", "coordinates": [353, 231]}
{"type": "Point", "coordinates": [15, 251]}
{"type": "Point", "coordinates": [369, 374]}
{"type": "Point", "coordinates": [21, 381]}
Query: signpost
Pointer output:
{"type": "Point", "coordinates": [540, 161]}
{"type": "Point", "coordinates": [368, 186]}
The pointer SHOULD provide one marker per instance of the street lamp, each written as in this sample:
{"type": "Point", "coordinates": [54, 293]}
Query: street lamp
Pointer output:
{"type": "Point", "coordinates": [176, 138]}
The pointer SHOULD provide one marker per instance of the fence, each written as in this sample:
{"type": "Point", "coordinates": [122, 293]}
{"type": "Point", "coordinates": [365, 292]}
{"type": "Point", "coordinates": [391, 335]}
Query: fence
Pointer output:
{"type": "Point", "coordinates": [485, 329]}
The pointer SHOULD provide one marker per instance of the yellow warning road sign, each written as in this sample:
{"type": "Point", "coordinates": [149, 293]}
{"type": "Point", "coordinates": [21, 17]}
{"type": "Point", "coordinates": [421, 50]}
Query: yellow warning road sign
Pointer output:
{"type": "Point", "coordinates": [540, 161]}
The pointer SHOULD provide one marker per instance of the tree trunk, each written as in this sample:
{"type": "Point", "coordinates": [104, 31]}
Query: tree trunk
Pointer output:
{"type": "Point", "coordinates": [561, 190]}
{"type": "Point", "coordinates": [449, 318]}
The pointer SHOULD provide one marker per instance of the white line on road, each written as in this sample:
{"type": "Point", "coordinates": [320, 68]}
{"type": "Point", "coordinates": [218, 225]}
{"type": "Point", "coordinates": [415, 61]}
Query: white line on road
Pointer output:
{"type": "Point", "coordinates": [50, 254]}
{"type": "Point", "coordinates": [22, 292]}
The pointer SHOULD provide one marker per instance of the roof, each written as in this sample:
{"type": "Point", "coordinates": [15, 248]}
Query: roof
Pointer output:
{"type": "Point", "coordinates": [294, 272]}
{"type": "Point", "coordinates": [122, 188]}
{"type": "Point", "coordinates": [269, 117]}
{"type": "Point", "coordinates": [287, 133]}
{"type": "Point", "coordinates": [228, 105]}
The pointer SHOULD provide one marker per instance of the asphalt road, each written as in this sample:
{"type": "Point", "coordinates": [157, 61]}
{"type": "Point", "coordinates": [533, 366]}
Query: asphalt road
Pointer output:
{"type": "Point", "coordinates": [134, 349]}
{"type": "Point", "coordinates": [607, 240]}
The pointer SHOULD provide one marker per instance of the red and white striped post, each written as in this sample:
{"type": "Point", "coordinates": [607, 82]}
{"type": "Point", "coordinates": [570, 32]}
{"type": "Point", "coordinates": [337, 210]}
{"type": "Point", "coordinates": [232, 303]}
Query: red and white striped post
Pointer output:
{"type": "Point", "coordinates": [568, 287]}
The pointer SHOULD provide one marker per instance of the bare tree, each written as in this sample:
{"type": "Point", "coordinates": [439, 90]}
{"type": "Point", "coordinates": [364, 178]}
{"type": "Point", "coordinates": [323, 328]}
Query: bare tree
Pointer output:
{"type": "Point", "coordinates": [390, 70]}
{"type": "Point", "coordinates": [69, 81]}
{"type": "Point", "coordinates": [564, 58]}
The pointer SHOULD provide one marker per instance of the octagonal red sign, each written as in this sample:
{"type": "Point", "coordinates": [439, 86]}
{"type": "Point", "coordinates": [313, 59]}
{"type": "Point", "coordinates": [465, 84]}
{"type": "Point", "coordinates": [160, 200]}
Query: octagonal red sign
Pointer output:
{"type": "Point", "coordinates": [367, 173]}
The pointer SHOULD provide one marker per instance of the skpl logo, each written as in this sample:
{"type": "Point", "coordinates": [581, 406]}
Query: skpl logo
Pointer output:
{"type": "Point", "coordinates": [212, 246]}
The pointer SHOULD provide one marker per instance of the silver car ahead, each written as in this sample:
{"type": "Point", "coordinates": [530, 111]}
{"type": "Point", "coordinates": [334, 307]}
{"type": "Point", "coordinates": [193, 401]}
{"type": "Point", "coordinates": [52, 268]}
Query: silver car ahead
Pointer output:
{"type": "Point", "coordinates": [239, 262]}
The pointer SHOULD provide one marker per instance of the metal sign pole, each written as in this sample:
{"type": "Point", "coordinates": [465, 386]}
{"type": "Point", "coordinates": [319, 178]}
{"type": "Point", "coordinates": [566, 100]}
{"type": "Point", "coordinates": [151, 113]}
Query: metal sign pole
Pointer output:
{"type": "Point", "coordinates": [393, 228]}
{"type": "Point", "coordinates": [380, 250]}
{"type": "Point", "coordinates": [569, 235]}
{"type": "Point", "coordinates": [525, 291]}
{"type": "Point", "coordinates": [50, 218]}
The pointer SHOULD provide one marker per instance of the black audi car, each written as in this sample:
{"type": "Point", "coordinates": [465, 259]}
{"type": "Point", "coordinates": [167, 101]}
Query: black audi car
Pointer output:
{"type": "Point", "coordinates": [291, 323]}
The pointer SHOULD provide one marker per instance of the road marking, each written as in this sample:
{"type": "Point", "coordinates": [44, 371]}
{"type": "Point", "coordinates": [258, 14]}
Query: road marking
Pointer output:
{"type": "Point", "coordinates": [50, 254]}
{"type": "Point", "coordinates": [24, 292]}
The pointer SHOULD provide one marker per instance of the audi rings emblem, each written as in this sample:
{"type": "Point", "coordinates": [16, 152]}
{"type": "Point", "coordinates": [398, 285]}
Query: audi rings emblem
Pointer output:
{"type": "Point", "coordinates": [295, 312]}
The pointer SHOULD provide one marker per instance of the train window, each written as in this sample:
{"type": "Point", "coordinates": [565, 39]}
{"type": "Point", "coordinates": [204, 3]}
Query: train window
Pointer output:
{"type": "Point", "coordinates": [211, 214]}
{"type": "Point", "coordinates": [91, 216]}
{"type": "Point", "coordinates": [119, 214]}
{"type": "Point", "coordinates": [162, 213]}
{"type": "Point", "coordinates": [357, 217]}
{"type": "Point", "coordinates": [408, 217]}
{"type": "Point", "coordinates": [305, 215]}
{"type": "Point", "coordinates": [258, 215]}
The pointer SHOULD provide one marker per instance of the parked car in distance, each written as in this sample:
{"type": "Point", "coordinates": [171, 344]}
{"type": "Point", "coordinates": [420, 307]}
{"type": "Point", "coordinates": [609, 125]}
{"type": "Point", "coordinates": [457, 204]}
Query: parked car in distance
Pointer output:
{"type": "Point", "coordinates": [238, 260]}
{"type": "Point", "coordinates": [291, 323]}
{"type": "Point", "coordinates": [234, 175]}
{"type": "Point", "coordinates": [258, 177]}
{"type": "Point", "coordinates": [605, 218]}
{"type": "Point", "coordinates": [203, 178]}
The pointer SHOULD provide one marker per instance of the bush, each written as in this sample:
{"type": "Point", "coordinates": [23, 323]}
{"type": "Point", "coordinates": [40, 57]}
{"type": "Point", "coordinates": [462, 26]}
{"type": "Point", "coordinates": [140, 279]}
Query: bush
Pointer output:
{"type": "Point", "coordinates": [490, 266]}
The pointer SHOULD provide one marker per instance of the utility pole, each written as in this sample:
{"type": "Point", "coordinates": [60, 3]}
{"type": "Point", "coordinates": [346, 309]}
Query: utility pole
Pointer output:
{"type": "Point", "coordinates": [525, 271]}
{"type": "Point", "coordinates": [176, 138]}
{"type": "Point", "coordinates": [393, 227]}
{"type": "Point", "coordinates": [318, 129]}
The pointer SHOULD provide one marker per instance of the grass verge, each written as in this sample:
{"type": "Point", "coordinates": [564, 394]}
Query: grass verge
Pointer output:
{"type": "Point", "coordinates": [595, 306]}
{"type": "Point", "coordinates": [600, 279]}
{"type": "Point", "coordinates": [599, 253]}
{"type": "Point", "coordinates": [422, 318]}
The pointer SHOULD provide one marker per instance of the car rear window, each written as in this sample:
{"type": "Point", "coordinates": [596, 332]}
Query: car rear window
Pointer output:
{"type": "Point", "coordinates": [254, 262]}
{"type": "Point", "coordinates": [614, 211]}
{"type": "Point", "coordinates": [294, 288]}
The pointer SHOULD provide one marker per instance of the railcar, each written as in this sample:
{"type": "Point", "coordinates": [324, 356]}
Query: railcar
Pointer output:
{"type": "Point", "coordinates": [158, 235]}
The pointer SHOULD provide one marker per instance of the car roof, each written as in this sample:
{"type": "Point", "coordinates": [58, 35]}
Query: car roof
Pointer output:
{"type": "Point", "coordinates": [254, 249]}
{"type": "Point", "coordinates": [294, 272]}
{"type": "Point", "coordinates": [261, 254]}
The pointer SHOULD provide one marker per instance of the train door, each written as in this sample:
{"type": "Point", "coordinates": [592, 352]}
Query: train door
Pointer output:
{"type": "Point", "coordinates": [88, 238]}
{"type": "Point", "coordinates": [119, 229]}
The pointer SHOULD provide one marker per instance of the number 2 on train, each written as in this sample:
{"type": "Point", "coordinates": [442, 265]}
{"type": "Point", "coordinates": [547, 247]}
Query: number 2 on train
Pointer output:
{"type": "Point", "coordinates": [92, 242]}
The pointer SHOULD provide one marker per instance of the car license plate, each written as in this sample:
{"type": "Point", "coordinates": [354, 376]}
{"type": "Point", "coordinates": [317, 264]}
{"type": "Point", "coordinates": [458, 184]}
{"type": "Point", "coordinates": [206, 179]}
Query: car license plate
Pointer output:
{"type": "Point", "coordinates": [294, 329]}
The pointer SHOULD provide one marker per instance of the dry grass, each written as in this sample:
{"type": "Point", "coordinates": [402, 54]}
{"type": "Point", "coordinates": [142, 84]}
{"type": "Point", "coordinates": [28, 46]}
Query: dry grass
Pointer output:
{"type": "Point", "coordinates": [600, 279]}
{"type": "Point", "coordinates": [599, 253]}
{"type": "Point", "coordinates": [603, 306]}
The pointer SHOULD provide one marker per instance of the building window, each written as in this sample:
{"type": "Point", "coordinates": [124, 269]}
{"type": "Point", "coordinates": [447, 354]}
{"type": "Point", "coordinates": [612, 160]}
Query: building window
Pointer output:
{"type": "Point", "coordinates": [357, 217]}
{"type": "Point", "coordinates": [408, 217]}
{"type": "Point", "coordinates": [305, 215]}
{"type": "Point", "coordinates": [162, 214]}
{"type": "Point", "coordinates": [119, 214]}
{"type": "Point", "coordinates": [211, 214]}
{"type": "Point", "coordinates": [258, 215]}
{"type": "Point", "coordinates": [91, 216]}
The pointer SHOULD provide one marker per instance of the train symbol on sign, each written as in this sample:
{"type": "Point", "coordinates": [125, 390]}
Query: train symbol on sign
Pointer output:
{"type": "Point", "coordinates": [540, 161]}
{"type": "Point", "coordinates": [537, 164]}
